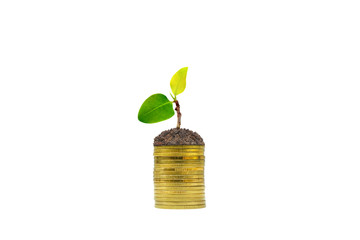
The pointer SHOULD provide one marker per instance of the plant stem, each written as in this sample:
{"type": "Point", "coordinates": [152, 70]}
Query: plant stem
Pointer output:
{"type": "Point", "coordinates": [177, 109]}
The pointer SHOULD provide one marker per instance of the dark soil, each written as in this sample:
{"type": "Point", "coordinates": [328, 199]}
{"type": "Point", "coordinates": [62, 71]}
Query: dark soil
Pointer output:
{"type": "Point", "coordinates": [177, 136]}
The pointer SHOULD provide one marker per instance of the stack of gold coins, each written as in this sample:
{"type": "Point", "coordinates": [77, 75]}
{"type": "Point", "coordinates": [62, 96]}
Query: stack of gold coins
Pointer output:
{"type": "Point", "coordinates": [179, 177]}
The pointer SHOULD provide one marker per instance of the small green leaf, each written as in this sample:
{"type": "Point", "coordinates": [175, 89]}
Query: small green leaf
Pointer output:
{"type": "Point", "coordinates": [178, 81]}
{"type": "Point", "coordinates": [156, 108]}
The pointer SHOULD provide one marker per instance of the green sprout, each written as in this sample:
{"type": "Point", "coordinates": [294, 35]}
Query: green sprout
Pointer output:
{"type": "Point", "coordinates": [158, 107]}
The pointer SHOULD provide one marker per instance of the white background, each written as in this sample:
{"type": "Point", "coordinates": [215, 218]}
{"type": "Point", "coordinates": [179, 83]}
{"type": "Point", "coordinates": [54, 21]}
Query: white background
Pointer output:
{"type": "Point", "coordinates": [272, 87]}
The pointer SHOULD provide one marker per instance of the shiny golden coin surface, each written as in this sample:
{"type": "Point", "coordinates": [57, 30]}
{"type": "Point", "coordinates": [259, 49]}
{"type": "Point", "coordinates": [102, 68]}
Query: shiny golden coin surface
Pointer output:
{"type": "Point", "coordinates": [179, 161]}
{"type": "Point", "coordinates": [178, 169]}
{"type": "Point", "coordinates": [175, 201]}
{"type": "Point", "coordinates": [177, 187]}
{"type": "Point", "coordinates": [188, 165]}
{"type": "Point", "coordinates": [182, 158]}
{"type": "Point", "coordinates": [156, 177]}
{"type": "Point", "coordinates": [178, 191]}
{"type": "Point", "coordinates": [168, 161]}
{"type": "Point", "coordinates": [179, 195]}
{"type": "Point", "coordinates": [178, 154]}
{"type": "Point", "coordinates": [166, 171]}
{"type": "Point", "coordinates": [178, 198]}
{"type": "Point", "coordinates": [188, 189]}
{"type": "Point", "coordinates": [184, 194]}
{"type": "Point", "coordinates": [173, 194]}
{"type": "Point", "coordinates": [180, 164]}
{"type": "Point", "coordinates": [179, 180]}
{"type": "Point", "coordinates": [172, 184]}
{"type": "Point", "coordinates": [178, 151]}
{"type": "Point", "coordinates": [180, 207]}
{"type": "Point", "coordinates": [180, 188]}
{"type": "Point", "coordinates": [159, 173]}
{"type": "Point", "coordinates": [181, 203]}
{"type": "Point", "coordinates": [179, 177]}
{"type": "Point", "coordinates": [179, 173]}
{"type": "Point", "coordinates": [179, 158]}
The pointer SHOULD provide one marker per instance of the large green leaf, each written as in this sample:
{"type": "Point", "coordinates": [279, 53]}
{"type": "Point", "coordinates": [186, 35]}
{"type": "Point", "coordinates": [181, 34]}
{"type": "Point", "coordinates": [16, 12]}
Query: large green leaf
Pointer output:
{"type": "Point", "coordinates": [178, 81]}
{"type": "Point", "coordinates": [155, 109]}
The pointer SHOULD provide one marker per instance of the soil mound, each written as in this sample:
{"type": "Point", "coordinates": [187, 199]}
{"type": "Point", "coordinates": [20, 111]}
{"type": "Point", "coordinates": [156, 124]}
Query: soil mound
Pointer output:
{"type": "Point", "coordinates": [177, 136]}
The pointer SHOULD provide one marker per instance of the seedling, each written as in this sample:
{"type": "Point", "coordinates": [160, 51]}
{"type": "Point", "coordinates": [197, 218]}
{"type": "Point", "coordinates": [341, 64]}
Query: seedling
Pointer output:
{"type": "Point", "coordinates": [178, 153]}
{"type": "Point", "coordinates": [158, 107]}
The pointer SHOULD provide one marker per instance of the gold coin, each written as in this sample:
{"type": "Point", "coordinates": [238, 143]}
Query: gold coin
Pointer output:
{"type": "Point", "coordinates": [181, 159]}
{"type": "Point", "coordinates": [177, 160]}
{"type": "Point", "coordinates": [178, 177]}
{"type": "Point", "coordinates": [185, 162]}
{"type": "Point", "coordinates": [179, 151]}
{"type": "Point", "coordinates": [178, 172]}
{"type": "Point", "coordinates": [178, 198]}
{"type": "Point", "coordinates": [183, 194]}
{"type": "Point", "coordinates": [160, 173]}
{"type": "Point", "coordinates": [170, 184]}
{"type": "Point", "coordinates": [180, 207]}
{"type": "Point", "coordinates": [182, 169]}
{"type": "Point", "coordinates": [179, 180]}
{"type": "Point", "coordinates": [183, 181]}
{"type": "Point", "coordinates": [179, 168]}
{"type": "Point", "coordinates": [185, 154]}
{"type": "Point", "coordinates": [176, 187]}
{"type": "Point", "coordinates": [178, 191]}
{"type": "Point", "coordinates": [187, 203]}
{"type": "Point", "coordinates": [190, 189]}
{"type": "Point", "coordinates": [178, 165]}
{"type": "Point", "coordinates": [180, 188]}
{"type": "Point", "coordinates": [164, 200]}
{"type": "Point", "coordinates": [166, 195]}
{"type": "Point", "coordinates": [160, 158]}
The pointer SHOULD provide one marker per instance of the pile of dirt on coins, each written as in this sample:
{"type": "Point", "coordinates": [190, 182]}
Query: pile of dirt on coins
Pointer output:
{"type": "Point", "coordinates": [176, 136]}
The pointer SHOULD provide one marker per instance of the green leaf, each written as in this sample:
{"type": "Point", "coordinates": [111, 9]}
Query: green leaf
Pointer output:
{"type": "Point", "coordinates": [156, 108]}
{"type": "Point", "coordinates": [178, 81]}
